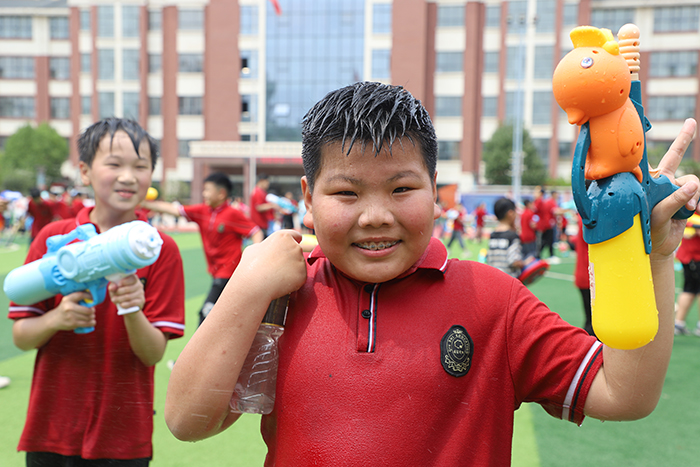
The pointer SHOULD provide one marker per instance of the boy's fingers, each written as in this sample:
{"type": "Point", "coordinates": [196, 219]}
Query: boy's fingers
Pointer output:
{"type": "Point", "coordinates": [674, 155]}
{"type": "Point", "coordinates": [687, 195]}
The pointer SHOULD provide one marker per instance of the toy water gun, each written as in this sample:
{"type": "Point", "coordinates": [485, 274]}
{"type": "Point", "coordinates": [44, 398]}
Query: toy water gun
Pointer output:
{"type": "Point", "coordinates": [88, 265]}
{"type": "Point", "coordinates": [281, 201]}
{"type": "Point", "coordinates": [597, 85]}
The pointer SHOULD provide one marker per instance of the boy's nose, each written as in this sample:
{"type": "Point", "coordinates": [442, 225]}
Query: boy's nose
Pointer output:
{"type": "Point", "coordinates": [375, 214]}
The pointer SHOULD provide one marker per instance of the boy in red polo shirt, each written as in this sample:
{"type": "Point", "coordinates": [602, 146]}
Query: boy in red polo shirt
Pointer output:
{"type": "Point", "coordinates": [222, 228]}
{"type": "Point", "coordinates": [91, 402]}
{"type": "Point", "coordinates": [393, 354]}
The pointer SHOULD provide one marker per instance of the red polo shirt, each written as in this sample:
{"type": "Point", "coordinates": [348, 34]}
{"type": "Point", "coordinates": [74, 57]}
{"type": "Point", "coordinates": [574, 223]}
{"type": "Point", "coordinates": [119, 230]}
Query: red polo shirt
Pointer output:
{"type": "Point", "coordinates": [262, 219]}
{"type": "Point", "coordinates": [223, 229]}
{"type": "Point", "coordinates": [42, 213]}
{"type": "Point", "coordinates": [363, 376]}
{"type": "Point", "coordinates": [527, 233]}
{"type": "Point", "coordinates": [91, 396]}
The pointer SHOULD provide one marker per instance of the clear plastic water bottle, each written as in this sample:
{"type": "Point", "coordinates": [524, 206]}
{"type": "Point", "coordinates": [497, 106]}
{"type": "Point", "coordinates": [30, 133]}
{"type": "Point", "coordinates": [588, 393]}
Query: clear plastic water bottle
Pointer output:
{"type": "Point", "coordinates": [255, 388]}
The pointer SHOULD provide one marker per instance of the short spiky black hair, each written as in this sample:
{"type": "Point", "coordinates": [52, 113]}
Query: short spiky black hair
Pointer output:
{"type": "Point", "coordinates": [89, 140]}
{"type": "Point", "coordinates": [221, 180]}
{"type": "Point", "coordinates": [502, 206]}
{"type": "Point", "coordinates": [366, 112]}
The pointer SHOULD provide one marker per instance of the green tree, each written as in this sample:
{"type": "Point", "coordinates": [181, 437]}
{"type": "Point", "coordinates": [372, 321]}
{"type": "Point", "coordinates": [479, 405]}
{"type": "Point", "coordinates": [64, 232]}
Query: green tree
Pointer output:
{"type": "Point", "coordinates": [497, 156]}
{"type": "Point", "coordinates": [29, 151]}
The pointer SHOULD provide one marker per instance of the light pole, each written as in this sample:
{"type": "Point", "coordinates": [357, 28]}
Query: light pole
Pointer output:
{"type": "Point", "coordinates": [517, 153]}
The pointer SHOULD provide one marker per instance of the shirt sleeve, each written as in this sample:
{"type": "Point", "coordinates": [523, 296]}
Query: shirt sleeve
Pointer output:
{"type": "Point", "coordinates": [552, 362]}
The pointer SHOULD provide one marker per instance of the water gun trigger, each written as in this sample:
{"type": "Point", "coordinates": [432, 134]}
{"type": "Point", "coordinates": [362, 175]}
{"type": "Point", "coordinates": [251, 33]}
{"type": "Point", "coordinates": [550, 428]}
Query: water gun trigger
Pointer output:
{"type": "Point", "coordinates": [660, 188]}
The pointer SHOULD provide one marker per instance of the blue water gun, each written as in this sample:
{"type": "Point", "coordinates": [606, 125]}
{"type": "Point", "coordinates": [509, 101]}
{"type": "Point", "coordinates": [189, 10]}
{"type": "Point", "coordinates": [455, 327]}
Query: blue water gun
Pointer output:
{"type": "Point", "coordinates": [86, 265]}
{"type": "Point", "coordinates": [597, 85]}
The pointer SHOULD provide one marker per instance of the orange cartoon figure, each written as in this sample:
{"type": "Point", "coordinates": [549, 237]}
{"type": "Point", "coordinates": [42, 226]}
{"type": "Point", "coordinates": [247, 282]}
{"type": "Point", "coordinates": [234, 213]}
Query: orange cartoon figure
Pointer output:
{"type": "Point", "coordinates": [592, 84]}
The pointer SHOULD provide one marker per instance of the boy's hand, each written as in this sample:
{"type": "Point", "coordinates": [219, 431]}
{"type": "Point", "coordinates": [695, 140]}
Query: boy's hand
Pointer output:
{"type": "Point", "coordinates": [127, 292]}
{"type": "Point", "coordinates": [666, 233]}
{"type": "Point", "coordinates": [70, 314]}
{"type": "Point", "coordinates": [276, 265]}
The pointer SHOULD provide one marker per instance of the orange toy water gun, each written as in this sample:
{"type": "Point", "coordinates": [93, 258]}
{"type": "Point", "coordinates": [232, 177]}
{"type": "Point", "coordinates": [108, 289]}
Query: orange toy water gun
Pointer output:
{"type": "Point", "coordinates": [597, 85]}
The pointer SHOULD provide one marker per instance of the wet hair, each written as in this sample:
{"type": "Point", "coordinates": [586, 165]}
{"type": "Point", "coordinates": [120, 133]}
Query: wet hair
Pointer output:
{"type": "Point", "coordinates": [89, 140]}
{"type": "Point", "coordinates": [502, 206]}
{"type": "Point", "coordinates": [221, 180]}
{"type": "Point", "coordinates": [366, 112]}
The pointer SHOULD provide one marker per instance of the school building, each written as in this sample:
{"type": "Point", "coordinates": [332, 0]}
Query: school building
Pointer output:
{"type": "Point", "coordinates": [223, 84]}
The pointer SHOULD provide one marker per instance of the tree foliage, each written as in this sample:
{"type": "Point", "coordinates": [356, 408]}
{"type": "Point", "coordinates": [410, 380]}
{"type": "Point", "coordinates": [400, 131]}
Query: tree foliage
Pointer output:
{"type": "Point", "coordinates": [497, 156]}
{"type": "Point", "coordinates": [29, 151]}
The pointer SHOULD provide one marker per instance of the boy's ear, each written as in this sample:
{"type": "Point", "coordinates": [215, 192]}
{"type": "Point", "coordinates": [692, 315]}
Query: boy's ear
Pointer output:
{"type": "Point", "coordinates": [308, 220]}
{"type": "Point", "coordinates": [84, 173]}
{"type": "Point", "coordinates": [437, 211]}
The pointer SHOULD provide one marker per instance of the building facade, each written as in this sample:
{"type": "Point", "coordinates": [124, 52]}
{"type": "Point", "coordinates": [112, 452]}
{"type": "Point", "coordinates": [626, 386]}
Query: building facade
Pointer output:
{"type": "Point", "coordinates": [223, 84]}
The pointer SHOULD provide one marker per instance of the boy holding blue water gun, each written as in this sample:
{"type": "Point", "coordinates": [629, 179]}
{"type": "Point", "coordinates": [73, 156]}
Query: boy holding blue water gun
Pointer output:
{"type": "Point", "coordinates": [92, 394]}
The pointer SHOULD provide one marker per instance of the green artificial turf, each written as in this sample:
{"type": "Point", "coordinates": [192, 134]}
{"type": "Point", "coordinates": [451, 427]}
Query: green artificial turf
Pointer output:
{"type": "Point", "coordinates": [667, 437]}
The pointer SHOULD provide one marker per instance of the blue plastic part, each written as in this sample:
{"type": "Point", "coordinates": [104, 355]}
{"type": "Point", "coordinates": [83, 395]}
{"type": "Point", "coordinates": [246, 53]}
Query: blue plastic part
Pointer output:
{"type": "Point", "coordinates": [609, 205]}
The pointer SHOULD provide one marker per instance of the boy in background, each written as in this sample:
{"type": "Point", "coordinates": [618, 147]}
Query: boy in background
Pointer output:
{"type": "Point", "coordinates": [505, 251]}
{"type": "Point", "coordinates": [222, 228]}
{"type": "Point", "coordinates": [91, 402]}
{"type": "Point", "coordinates": [528, 225]}
{"type": "Point", "coordinates": [393, 354]}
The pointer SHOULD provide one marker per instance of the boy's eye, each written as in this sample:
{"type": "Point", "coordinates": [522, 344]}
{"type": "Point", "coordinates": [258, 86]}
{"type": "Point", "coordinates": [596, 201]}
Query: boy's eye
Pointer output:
{"type": "Point", "coordinates": [402, 189]}
{"type": "Point", "coordinates": [345, 193]}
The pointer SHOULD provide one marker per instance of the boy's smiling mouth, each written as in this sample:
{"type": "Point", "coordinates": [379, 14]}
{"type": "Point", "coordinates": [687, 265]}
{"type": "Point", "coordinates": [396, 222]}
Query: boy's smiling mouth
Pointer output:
{"type": "Point", "coordinates": [374, 246]}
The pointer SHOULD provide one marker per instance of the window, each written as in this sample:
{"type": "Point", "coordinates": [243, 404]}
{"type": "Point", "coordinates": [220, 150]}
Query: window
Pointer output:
{"type": "Point", "coordinates": [155, 20]}
{"type": "Point", "coordinates": [15, 27]}
{"type": "Point", "coordinates": [491, 61]}
{"type": "Point", "coordinates": [447, 62]}
{"type": "Point", "coordinates": [131, 105]}
{"type": "Point", "coordinates": [85, 63]}
{"type": "Point", "coordinates": [58, 27]}
{"type": "Point", "coordinates": [493, 16]}
{"type": "Point", "coordinates": [448, 106]}
{"type": "Point", "coordinates": [130, 64]}
{"type": "Point", "coordinates": [450, 16]}
{"type": "Point", "coordinates": [60, 107]}
{"type": "Point", "coordinates": [512, 69]}
{"type": "Point", "coordinates": [663, 108]}
{"type": "Point", "coordinates": [544, 62]}
{"type": "Point", "coordinates": [84, 20]}
{"type": "Point", "coordinates": [381, 63]}
{"type": "Point", "coordinates": [183, 147]}
{"type": "Point", "coordinates": [59, 67]}
{"type": "Point", "coordinates": [564, 149]}
{"type": "Point", "coordinates": [381, 18]}
{"type": "Point", "coordinates": [249, 64]}
{"type": "Point", "coordinates": [130, 20]}
{"type": "Point", "coordinates": [105, 21]}
{"type": "Point", "coordinates": [669, 64]}
{"type": "Point", "coordinates": [190, 105]}
{"type": "Point", "coordinates": [154, 106]}
{"type": "Point", "coordinates": [542, 107]}
{"type": "Point", "coordinates": [17, 67]}
{"type": "Point", "coordinates": [489, 106]}
{"type": "Point", "coordinates": [676, 18]}
{"type": "Point", "coordinates": [85, 105]}
{"type": "Point", "coordinates": [448, 150]}
{"type": "Point", "coordinates": [105, 64]}
{"type": "Point", "coordinates": [17, 107]}
{"type": "Point", "coordinates": [546, 12]}
{"type": "Point", "coordinates": [190, 63]}
{"type": "Point", "coordinates": [249, 108]}
{"type": "Point", "coordinates": [249, 20]}
{"type": "Point", "coordinates": [612, 19]}
{"type": "Point", "coordinates": [155, 64]}
{"type": "Point", "coordinates": [517, 12]}
{"type": "Point", "coordinates": [570, 14]}
{"type": "Point", "coordinates": [189, 20]}
{"type": "Point", "coordinates": [106, 103]}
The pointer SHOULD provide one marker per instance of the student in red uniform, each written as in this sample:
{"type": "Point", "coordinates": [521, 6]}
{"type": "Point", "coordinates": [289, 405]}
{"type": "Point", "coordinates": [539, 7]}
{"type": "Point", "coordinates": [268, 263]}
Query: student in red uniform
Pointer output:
{"type": "Point", "coordinates": [393, 354]}
{"type": "Point", "coordinates": [688, 255]}
{"type": "Point", "coordinates": [222, 228]}
{"type": "Point", "coordinates": [582, 279]}
{"type": "Point", "coordinates": [262, 212]}
{"type": "Point", "coordinates": [91, 402]}
{"type": "Point", "coordinates": [528, 235]}
{"type": "Point", "coordinates": [41, 210]}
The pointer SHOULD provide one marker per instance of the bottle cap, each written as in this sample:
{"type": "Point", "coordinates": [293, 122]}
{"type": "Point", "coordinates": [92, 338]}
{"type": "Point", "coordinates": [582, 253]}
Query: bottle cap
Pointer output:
{"type": "Point", "coordinates": [277, 311]}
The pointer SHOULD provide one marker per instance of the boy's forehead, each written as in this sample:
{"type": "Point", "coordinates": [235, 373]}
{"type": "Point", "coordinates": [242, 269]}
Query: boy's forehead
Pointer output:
{"type": "Point", "coordinates": [336, 151]}
{"type": "Point", "coordinates": [121, 141]}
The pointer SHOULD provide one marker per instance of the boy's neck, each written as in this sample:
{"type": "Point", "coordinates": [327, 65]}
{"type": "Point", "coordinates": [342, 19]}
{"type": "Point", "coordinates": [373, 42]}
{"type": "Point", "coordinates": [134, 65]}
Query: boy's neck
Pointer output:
{"type": "Point", "coordinates": [503, 227]}
{"type": "Point", "coordinates": [105, 220]}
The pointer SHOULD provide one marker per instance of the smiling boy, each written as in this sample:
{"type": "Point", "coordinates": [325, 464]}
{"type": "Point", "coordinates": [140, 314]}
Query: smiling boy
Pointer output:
{"type": "Point", "coordinates": [91, 401]}
{"type": "Point", "coordinates": [392, 353]}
